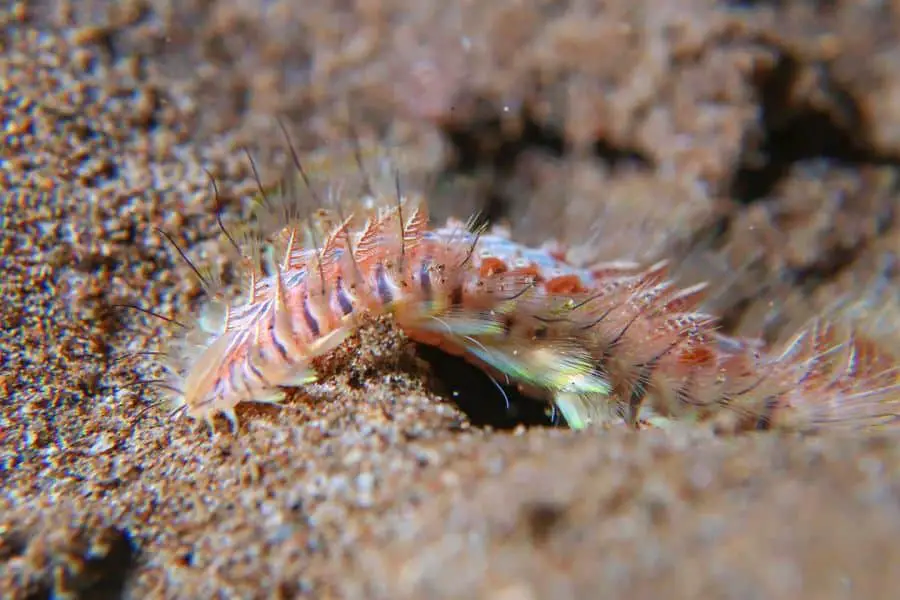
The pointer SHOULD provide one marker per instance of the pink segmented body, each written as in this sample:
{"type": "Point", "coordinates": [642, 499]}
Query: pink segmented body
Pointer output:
{"type": "Point", "coordinates": [605, 344]}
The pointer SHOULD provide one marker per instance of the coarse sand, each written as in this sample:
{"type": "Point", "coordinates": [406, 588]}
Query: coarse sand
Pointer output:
{"type": "Point", "coordinates": [754, 143]}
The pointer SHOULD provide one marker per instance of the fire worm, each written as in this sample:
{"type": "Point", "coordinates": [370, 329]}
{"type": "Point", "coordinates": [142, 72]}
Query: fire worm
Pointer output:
{"type": "Point", "coordinates": [613, 343]}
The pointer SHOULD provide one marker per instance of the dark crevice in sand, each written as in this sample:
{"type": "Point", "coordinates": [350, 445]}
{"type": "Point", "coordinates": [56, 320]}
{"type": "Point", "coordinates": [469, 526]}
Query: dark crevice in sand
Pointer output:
{"type": "Point", "coordinates": [480, 141]}
{"type": "Point", "coordinates": [541, 519]}
{"type": "Point", "coordinates": [473, 392]}
{"type": "Point", "coordinates": [110, 571]}
{"type": "Point", "coordinates": [827, 126]}
{"type": "Point", "coordinates": [99, 567]}
{"type": "Point", "coordinates": [481, 144]}
{"type": "Point", "coordinates": [13, 543]}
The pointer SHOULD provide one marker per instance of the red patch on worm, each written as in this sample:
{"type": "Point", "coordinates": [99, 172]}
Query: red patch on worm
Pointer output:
{"type": "Point", "coordinates": [696, 356]}
{"type": "Point", "coordinates": [565, 284]}
{"type": "Point", "coordinates": [492, 266]}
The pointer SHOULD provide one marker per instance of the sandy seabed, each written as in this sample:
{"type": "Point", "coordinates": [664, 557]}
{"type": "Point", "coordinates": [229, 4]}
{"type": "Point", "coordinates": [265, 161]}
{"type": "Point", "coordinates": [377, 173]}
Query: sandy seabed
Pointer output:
{"type": "Point", "coordinates": [754, 143]}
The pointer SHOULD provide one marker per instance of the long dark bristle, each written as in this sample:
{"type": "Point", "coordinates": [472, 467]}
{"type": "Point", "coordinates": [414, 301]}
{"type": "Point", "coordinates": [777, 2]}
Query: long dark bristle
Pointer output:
{"type": "Point", "coordinates": [350, 250]}
{"type": "Point", "coordinates": [154, 382]}
{"type": "Point", "coordinates": [128, 355]}
{"type": "Point", "coordinates": [144, 411]}
{"type": "Point", "coordinates": [218, 209]}
{"type": "Point", "coordinates": [472, 247]}
{"type": "Point", "coordinates": [400, 215]}
{"type": "Point", "coordinates": [256, 177]}
{"type": "Point", "coordinates": [312, 230]}
{"type": "Point", "coordinates": [357, 155]}
{"type": "Point", "coordinates": [296, 159]}
{"type": "Point", "coordinates": [184, 256]}
{"type": "Point", "coordinates": [151, 313]}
